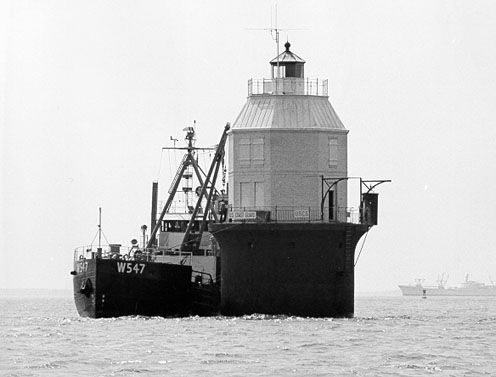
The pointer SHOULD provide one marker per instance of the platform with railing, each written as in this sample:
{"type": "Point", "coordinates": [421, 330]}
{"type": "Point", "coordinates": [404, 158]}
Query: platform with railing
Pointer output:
{"type": "Point", "coordinates": [288, 86]}
{"type": "Point", "coordinates": [136, 253]}
{"type": "Point", "coordinates": [289, 214]}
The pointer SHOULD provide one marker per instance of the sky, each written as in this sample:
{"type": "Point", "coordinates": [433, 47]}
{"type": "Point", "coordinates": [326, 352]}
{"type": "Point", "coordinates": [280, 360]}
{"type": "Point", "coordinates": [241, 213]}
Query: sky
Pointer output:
{"type": "Point", "coordinates": [90, 91]}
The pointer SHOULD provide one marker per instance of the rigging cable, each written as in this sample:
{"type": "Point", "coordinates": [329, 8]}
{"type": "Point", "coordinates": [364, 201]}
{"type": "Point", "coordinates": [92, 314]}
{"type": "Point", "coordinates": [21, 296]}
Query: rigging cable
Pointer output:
{"type": "Point", "coordinates": [170, 167]}
{"type": "Point", "coordinates": [160, 164]}
{"type": "Point", "coordinates": [96, 235]}
{"type": "Point", "coordinates": [94, 238]}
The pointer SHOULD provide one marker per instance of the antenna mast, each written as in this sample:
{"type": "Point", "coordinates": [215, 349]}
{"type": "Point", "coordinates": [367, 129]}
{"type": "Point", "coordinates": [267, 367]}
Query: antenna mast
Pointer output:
{"type": "Point", "coordinates": [277, 43]}
{"type": "Point", "coordinates": [273, 29]}
{"type": "Point", "coordinates": [274, 32]}
{"type": "Point", "coordinates": [99, 227]}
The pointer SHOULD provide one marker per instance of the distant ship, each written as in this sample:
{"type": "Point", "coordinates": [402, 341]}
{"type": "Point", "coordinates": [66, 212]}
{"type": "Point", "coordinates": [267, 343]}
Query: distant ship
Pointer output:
{"type": "Point", "coordinates": [467, 288]}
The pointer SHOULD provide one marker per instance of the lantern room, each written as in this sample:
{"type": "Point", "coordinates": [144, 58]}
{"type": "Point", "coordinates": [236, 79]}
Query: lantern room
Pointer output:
{"type": "Point", "coordinates": [287, 64]}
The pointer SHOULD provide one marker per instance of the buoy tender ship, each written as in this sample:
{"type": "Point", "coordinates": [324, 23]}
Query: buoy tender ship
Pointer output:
{"type": "Point", "coordinates": [177, 272]}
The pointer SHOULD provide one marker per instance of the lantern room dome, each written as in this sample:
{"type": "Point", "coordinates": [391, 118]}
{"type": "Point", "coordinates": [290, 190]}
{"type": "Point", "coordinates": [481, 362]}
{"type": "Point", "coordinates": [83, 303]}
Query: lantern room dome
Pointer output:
{"type": "Point", "coordinates": [287, 57]}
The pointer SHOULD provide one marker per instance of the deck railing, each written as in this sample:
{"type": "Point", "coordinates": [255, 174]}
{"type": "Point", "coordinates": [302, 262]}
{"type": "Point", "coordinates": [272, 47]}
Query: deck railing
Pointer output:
{"type": "Point", "coordinates": [289, 214]}
{"type": "Point", "coordinates": [135, 253]}
{"type": "Point", "coordinates": [113, 252]}
{"type": "Point", "coordinates": [288, 85]}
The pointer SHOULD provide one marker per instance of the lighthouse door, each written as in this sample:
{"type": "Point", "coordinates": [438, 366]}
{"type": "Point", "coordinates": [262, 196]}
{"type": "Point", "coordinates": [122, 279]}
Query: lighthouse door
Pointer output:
{"type": "Point", "coordinates": [331, 205]}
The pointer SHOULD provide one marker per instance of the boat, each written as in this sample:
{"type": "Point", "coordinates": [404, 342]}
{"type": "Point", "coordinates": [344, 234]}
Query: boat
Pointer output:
{"type": "Point", "coordinates": [175, 273]}
{"type": "Point", "coordinates": [467, 288]}
{"type": "Point", "coordinates": [282, 235]}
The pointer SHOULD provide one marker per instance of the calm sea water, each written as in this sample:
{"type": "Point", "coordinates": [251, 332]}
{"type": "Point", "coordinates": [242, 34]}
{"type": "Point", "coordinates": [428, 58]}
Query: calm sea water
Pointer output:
{"type": "Point", "coordinates": [42, 335]}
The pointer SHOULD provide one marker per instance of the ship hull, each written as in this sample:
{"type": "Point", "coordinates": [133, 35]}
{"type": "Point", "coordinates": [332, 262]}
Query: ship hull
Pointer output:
{"type": "Point", "coordinates": [113, 288]}
{"type": "Point", "coordinates": [410, 290]}
{"type": "Point", "coordinates": [302, 269]}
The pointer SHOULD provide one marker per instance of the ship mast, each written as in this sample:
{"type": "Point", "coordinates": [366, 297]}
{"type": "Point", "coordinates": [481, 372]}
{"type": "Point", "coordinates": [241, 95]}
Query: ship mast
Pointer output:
{"type": "Point", "coordinates": [187, 161]}
{"type": "Point", "coordinates": [209, 184]}
{"type": "Point", "coordinates": [99, 228]}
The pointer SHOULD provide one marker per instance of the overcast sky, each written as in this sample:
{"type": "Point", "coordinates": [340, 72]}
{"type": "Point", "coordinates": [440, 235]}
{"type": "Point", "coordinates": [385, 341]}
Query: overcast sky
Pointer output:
{"type": "Point", "coordinates": [91, 91]}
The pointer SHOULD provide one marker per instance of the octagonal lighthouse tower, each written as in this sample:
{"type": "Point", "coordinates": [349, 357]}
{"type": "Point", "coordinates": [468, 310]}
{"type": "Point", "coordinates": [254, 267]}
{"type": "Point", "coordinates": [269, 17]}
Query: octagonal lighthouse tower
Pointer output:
{"type": "Point", "coordinates": [285, 139]}
{"type": "Point", "coordinates": [288, 246]}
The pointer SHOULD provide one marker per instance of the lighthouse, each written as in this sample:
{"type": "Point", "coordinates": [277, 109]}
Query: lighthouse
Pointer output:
{"type": "Point", "coordinates": [286, 137]}
{"type": "Point", "coordinates": [289, 244]}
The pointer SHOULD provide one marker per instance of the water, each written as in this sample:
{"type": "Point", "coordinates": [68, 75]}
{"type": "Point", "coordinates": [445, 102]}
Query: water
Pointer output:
{"type": "Point", "coordinates": [42, 335]}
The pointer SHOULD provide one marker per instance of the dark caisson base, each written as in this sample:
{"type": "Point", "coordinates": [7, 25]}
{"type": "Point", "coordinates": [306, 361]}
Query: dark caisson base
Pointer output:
{"type": "Point", "coordinates": [113, 288]}
{"type": "Point", "coordinates": [300, 269]}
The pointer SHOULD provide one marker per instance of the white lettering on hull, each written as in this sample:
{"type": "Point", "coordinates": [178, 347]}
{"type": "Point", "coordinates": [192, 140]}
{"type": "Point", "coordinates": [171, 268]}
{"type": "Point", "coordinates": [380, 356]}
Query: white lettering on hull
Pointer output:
{"type": "Point", "coordinates": [130, 267]}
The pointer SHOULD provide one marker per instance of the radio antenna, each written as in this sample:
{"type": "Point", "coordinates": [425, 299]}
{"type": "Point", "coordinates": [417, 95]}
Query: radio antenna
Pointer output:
{"type": "Point", "coordinates": [274, 32]}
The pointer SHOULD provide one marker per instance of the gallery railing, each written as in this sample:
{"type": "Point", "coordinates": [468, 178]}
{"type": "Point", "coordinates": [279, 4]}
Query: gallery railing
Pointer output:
{"type": "Point", "coordinates": [289, 214]}
{"type": "Point", "coordinates": [288, 85]}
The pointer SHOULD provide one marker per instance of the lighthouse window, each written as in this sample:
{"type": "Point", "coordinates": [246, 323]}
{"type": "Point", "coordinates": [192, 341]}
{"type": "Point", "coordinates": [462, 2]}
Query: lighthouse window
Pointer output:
{"type": "Point", "coordinates": [333, 152]}
{"type": "Point", "coordinates": [244, 150]}
{"type": "Point", "coordinates": [251, 150]}
{"type": "Point", "coordinates": [282, 71]}
{"type": "Point", "coordinates": [257, 149]}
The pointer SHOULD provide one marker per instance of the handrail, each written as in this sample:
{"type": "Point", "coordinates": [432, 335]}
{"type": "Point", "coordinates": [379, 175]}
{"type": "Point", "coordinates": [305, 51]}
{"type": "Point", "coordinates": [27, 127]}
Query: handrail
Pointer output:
{"type": "Point", "coordinates": [293, 214]}
{"type": "Point", "coordinates": [107, 252]}
{"type": "Point", "coordinates": [289, 86]}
